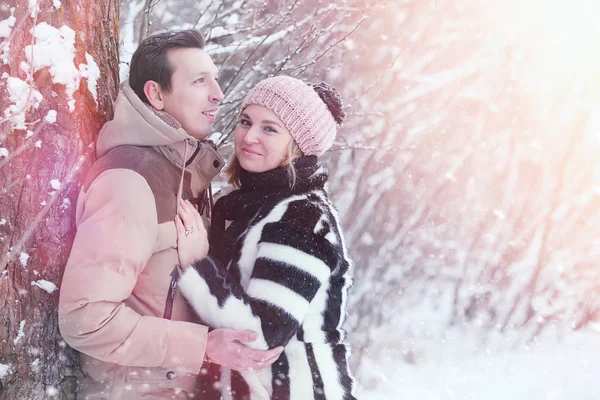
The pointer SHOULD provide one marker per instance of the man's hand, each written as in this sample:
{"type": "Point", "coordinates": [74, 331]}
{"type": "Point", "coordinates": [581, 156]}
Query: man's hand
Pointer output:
{"type": "Point", "coordinates": [223, 347]}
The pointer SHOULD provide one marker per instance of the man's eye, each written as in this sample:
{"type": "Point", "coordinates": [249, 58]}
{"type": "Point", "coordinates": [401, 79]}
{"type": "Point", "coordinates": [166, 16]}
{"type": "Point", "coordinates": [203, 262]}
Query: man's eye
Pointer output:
{"type": "Point", "coordinates": [200, 80]}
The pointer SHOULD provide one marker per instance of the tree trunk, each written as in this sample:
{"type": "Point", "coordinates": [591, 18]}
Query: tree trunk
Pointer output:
{"type": "Point", "coordinates": [42, 162]}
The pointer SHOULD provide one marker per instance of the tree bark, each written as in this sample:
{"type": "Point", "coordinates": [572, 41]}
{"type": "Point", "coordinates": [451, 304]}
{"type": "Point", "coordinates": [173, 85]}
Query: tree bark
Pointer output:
{"type": "Point", "coordinates": [40, 172]}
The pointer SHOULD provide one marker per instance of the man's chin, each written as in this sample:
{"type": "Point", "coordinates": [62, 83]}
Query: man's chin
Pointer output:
{"type": "Point", "coordinates": [200, 135]}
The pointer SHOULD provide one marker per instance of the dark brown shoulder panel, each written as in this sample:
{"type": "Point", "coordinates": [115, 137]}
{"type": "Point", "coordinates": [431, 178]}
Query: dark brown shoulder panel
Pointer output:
{"type": "Point", "coordinates": [162, 176]}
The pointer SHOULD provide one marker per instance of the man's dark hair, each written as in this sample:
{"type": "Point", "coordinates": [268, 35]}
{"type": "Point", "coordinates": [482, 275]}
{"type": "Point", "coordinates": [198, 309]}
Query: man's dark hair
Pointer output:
{"type": "Point", "coordinates": [150, 61]}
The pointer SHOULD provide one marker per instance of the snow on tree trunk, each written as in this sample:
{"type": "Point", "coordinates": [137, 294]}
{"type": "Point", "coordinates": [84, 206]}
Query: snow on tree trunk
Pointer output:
{"type": "Point", "coordinates": [59, 76]}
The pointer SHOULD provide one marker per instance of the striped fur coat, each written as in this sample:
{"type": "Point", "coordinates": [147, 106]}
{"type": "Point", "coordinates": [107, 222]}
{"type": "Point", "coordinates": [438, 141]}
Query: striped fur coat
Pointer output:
{"type": "Point", "coordinates": [280, 269]}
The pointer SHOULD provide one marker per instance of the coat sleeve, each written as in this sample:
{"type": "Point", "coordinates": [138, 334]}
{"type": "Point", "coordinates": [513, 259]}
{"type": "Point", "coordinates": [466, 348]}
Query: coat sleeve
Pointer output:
{"type": "Point", "coordinates": [292, 269]}
{"type": "Point", "coordinates": [116, 236]}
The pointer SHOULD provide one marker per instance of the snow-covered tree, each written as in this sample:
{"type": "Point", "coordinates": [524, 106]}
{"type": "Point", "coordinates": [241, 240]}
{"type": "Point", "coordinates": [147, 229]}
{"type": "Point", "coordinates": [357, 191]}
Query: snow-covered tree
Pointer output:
{"type": "Point", "coordinates": [58, 77]}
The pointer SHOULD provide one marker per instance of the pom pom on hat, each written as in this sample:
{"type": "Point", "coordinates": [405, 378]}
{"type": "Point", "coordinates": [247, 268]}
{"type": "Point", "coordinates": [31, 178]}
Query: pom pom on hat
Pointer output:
{"type": "Point", "coordinates": [332, 100]}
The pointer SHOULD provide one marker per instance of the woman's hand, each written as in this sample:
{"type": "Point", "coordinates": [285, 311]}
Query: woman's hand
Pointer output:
{"type": "Point", "coordinates": [192, 239]}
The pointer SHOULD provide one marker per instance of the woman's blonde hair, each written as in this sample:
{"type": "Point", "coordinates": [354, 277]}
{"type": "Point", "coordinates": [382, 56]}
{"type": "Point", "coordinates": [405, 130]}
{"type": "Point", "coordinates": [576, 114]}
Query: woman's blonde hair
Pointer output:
{"type": "Point", "coordinates": [234, 168]}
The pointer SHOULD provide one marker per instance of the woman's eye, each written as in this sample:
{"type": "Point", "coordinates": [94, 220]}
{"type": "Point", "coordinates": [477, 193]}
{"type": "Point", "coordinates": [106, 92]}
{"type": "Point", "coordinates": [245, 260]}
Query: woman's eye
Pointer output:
{"type": "Point", "coordinates": [270, 129]}
{"type": "Point", "coordinates": [245, 122]}
{"type": "Point", "coordinates": [200, 80]}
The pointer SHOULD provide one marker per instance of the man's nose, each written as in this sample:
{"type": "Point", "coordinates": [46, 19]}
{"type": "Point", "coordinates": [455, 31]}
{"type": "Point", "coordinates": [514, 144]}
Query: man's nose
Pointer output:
{"type": "Point", "coordinates": [216, 94]}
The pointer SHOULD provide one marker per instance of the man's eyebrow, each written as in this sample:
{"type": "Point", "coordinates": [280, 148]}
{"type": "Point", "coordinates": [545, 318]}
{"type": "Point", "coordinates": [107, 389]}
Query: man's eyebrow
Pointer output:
{"type": "Point", "coordinates": [205, 73]}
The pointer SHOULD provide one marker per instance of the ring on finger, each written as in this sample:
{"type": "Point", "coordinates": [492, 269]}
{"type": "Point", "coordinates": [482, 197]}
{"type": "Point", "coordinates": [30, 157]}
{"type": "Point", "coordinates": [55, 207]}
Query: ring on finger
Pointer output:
{"type": "Point", "coordinates": [189, 230]}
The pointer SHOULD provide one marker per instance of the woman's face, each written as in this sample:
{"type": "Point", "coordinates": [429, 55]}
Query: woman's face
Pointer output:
{"type": "Point", "coordinates": [261, 139]}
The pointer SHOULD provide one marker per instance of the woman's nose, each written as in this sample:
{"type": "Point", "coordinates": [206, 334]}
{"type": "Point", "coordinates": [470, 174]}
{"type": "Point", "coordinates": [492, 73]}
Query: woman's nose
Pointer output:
{"type": "Point", "coordinates": [251, 135]}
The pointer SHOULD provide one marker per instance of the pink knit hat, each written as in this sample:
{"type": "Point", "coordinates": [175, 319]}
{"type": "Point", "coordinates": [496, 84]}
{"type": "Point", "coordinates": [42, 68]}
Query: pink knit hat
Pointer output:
{"type": "Point", "coordinates": [301, 109]}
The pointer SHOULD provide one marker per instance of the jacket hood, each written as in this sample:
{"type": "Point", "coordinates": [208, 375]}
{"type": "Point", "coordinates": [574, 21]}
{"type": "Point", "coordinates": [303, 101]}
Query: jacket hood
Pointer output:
{"type": "Point", "coordinates": [136, 123]}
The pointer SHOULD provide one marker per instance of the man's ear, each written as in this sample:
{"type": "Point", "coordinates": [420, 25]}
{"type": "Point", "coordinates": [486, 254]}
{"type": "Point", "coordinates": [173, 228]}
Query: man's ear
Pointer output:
{"type": "Point", "coordinates": [154, 95]}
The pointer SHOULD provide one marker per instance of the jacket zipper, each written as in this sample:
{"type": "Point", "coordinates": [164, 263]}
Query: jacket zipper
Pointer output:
{"type": "Point", "coordinates": [171, 295]}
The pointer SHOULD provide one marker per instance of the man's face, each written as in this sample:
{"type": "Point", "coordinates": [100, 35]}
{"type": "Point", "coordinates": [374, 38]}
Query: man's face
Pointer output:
{"type": "Point", "coordinates": [195, 94]}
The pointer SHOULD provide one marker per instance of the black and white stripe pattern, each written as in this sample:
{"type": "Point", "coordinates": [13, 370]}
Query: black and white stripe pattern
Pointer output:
{"type": "Point", "coordinates": [288, 282]}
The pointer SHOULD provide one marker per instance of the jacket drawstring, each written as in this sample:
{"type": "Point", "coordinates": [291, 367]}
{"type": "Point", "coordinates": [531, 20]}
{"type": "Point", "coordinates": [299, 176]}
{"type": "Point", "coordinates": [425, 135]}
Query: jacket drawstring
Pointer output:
{"type": "Point", "coordinates": [211, 202]}
{"type": "Point", "coordinates": [206, 204]}
{"type": "Point", "coordinates": [175, 273]}
{"type": "Point", "coordinates": [180, 190]}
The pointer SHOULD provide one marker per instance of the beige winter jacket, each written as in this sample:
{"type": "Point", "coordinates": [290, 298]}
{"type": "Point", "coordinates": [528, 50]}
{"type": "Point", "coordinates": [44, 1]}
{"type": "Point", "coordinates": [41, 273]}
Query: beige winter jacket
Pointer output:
{"type": "Point", "coordinates": [118, 289]}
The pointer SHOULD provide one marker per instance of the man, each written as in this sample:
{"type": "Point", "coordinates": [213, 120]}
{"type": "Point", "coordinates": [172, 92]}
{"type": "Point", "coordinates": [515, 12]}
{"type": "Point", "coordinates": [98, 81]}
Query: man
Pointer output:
{"type": "Point", "coordinates": [119, 304]}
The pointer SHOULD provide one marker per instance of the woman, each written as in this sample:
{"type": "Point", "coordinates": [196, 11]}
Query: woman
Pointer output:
{"type": "Point", "coordinates": [280, 268]}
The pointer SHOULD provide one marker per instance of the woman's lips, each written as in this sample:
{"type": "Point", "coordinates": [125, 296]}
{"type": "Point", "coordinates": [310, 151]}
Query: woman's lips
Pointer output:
{"type": "Point", "coordinates": [250, 152]}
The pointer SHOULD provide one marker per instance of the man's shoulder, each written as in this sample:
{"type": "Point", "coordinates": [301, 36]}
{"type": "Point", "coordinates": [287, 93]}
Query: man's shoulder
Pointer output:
{"type": "Point", "coordinates": [159, 173]}
{"type": "Point", "coordinates": [144, 160]}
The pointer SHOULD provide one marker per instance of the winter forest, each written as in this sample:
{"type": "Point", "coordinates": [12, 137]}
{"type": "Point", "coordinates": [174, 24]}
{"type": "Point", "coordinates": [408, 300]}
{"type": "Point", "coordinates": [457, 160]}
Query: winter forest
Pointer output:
{"type": "Point", "coordinates": [467, 176]}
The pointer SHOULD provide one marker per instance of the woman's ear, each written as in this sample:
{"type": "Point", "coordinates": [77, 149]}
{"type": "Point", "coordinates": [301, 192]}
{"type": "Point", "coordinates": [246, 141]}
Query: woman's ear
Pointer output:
{"type": "Point", "coordinates": [154, 95]}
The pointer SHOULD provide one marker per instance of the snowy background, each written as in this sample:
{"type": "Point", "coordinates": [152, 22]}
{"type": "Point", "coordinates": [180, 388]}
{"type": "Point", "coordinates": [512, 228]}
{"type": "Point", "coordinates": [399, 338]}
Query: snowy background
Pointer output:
{"type": "Point", "coordinates": [467, 175]}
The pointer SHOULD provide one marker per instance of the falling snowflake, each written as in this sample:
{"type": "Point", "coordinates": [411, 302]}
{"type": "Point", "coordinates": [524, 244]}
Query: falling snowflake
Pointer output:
{"type": "Point", "coordinates": [499, 214]}
{"type": "Point", "coordinates": [51, 391]}
{"type": "Point", "coordinates": [450, 176]}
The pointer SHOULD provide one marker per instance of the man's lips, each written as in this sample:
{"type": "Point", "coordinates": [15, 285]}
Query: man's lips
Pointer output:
{"type": "Point", "coordinates": [210, 113]}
